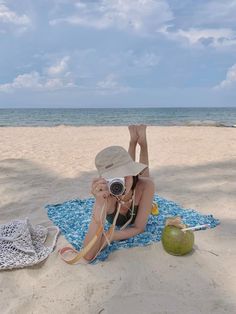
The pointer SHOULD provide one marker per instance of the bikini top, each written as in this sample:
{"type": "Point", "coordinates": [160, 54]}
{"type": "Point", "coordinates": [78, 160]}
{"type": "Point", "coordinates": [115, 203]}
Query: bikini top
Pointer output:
{"type": "Point", "coordinates": [122, 218]}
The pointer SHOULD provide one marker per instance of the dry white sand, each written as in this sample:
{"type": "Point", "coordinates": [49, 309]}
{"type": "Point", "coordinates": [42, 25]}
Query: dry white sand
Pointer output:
{"type": "Point", "coordinates": [193, 166]}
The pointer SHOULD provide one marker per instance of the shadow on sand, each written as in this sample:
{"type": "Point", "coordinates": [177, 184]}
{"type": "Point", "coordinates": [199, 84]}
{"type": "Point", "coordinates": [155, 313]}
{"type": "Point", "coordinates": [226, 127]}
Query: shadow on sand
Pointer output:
{"type": "Point", "coordinates": [26, 183]}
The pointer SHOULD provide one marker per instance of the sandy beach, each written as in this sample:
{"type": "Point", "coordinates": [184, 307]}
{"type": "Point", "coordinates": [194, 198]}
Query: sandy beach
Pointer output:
{"type": "Point", "coordinates": [193, 166]}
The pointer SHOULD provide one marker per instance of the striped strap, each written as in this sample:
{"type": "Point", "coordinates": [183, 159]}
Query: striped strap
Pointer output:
{"type": "Point", "coordinates": [132, 214]}
{"type": "Point", "coordinates": [83, 252]}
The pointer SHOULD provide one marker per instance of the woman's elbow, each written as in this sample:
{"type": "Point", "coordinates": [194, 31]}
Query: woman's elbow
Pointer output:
{"type": "Point", "coordinates": [140, 230]}
{"type": "Point", "coordinates": [89, 257]}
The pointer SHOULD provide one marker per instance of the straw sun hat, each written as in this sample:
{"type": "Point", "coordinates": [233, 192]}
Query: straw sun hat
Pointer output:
{"type": "Point", "coordinates": [115, 161]}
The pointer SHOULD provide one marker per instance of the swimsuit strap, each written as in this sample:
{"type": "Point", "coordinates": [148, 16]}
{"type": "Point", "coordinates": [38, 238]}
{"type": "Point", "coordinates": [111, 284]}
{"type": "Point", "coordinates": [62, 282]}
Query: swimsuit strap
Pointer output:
{"type": "Point", "coordinates": [132, 213]}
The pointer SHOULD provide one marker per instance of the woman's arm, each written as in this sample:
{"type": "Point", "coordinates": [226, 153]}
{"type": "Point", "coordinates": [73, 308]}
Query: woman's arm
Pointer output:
{"type": "Point", "coordinates": [95, 223]}
{"type": "Point", "coordinates": [102, 200]}
{"type": "Point", "coordinates": [127, 233]}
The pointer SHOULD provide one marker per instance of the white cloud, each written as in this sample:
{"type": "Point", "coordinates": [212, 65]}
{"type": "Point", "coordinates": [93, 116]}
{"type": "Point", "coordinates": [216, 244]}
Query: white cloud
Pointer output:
{"type": "Point", "coordinates": [221, 37]}
{"type": "Point", "coordinates": [143, 16]}
{"type": "Point", "coordinates": [230, 80]}
{"type": "Point", "coordinates": [110, 84]}
{"type": "Point", "coordinates": [55, 78]}
{"type": "Point", "coordinates": [27, 80]}
{"type": "Point", "coordinates": [60, 67]}
{"type": "Point", "coordinates": [8, 16]}
{"type": "Point", "coordinates": [148, 59]}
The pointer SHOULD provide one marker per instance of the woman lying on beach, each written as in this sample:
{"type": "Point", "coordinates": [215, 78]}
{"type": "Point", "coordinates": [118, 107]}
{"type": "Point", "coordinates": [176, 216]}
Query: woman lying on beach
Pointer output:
{"type": "Point", "coordinates": [130, 210]}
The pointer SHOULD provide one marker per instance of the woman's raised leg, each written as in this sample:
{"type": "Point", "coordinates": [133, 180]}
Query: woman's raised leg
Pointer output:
{"type": "Point", "coordinates": [133, 141]}
{"type": "Point", "coordinates": [142, 141]}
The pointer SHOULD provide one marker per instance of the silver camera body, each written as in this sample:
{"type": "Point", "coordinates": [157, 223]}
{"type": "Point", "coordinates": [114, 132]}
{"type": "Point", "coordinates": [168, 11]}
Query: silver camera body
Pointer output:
{"type": "Point", "coordinates": [116, 186]}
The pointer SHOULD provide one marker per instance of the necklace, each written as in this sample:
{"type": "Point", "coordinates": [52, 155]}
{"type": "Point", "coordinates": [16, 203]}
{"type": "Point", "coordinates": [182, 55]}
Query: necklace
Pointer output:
{"type": "Point", "coordinates": [128, 200]}
{"type": "Point", "coordinates": [125, 203]}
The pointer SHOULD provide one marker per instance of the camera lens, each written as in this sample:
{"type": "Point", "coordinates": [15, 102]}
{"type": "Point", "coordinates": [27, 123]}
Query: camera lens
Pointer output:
{"type": "Point", "coordinates": [117, 188]}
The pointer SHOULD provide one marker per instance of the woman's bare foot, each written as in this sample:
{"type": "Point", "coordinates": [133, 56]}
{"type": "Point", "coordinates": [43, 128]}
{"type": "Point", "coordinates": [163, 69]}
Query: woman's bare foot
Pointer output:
{"type": "Point", "coordinates": [133, 134]}
{"type": "Point", "coordinates": [141, 132]}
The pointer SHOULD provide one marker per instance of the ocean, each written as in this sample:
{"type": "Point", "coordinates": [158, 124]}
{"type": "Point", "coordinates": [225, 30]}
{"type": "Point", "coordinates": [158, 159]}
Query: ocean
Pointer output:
{"type": "Point", "coordinates": [222, 117]}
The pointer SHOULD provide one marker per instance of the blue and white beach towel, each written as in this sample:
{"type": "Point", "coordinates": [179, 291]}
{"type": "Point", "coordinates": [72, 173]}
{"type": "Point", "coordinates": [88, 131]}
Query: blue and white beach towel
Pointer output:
{"type": "Point", "coordinates": [73, 218]}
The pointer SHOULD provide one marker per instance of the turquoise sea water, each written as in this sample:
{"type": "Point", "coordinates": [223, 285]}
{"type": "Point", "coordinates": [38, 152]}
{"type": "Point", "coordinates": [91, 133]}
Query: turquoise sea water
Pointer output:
{"type": "Point", "coordinates": [113, 116]}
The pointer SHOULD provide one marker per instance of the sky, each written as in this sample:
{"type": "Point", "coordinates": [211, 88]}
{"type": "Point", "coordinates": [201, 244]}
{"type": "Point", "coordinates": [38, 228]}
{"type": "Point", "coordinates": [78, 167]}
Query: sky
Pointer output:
{"type": "Point", "coordinates": [117, 53]}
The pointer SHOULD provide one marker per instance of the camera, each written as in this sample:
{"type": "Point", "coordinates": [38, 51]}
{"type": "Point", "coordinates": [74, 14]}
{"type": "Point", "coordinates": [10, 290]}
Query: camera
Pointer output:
{"type": "Point", "coordinates": [116, 186]}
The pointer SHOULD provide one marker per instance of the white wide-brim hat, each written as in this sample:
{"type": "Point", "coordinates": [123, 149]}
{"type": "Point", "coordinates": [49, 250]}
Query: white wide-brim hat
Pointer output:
{"type": "Point", "coordinates": [115, 161]}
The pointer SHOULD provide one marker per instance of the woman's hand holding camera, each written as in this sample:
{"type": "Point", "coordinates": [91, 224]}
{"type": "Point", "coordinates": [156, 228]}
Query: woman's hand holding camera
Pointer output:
{"type": "Point", "coordinates": [99, 189]}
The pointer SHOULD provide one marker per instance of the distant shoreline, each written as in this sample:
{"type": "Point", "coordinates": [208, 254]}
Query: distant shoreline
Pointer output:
{"type": "Point", "coordinates": [113, 126]}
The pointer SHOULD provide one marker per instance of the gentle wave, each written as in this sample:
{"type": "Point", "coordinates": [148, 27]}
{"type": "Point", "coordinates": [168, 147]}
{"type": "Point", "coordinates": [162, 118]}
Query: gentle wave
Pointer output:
{"type": "Point", "coordinates": [216, 117]}
{"type": "Point", "coordinates": [209, 123]}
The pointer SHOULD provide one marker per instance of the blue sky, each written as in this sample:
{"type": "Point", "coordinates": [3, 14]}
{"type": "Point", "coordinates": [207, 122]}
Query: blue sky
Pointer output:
{"type": "Point", "coordinates": [117, 53]}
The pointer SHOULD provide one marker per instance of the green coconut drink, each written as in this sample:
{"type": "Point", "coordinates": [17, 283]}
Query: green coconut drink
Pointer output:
{"type": "Point", "coordinates": [177, 242]}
